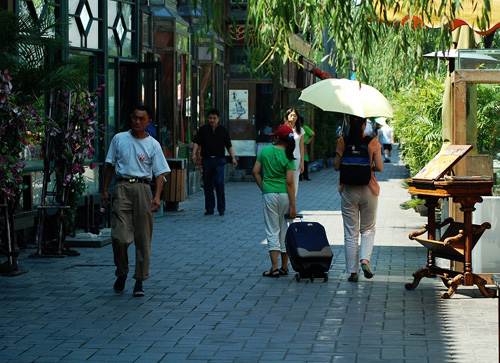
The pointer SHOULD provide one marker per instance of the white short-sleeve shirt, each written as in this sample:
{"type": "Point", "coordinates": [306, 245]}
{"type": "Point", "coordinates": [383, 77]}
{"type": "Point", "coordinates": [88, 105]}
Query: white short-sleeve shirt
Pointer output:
{"type": "Point", "coordinates": [134, 157]}
{"type": "Point", "coordinates": [296, 151]}
{"type": "Point", "coordinates": [385, 135]}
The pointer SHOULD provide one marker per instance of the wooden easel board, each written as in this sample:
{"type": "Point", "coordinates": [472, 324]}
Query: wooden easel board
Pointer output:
{"type": "Point", "coordinates": [442, 162]}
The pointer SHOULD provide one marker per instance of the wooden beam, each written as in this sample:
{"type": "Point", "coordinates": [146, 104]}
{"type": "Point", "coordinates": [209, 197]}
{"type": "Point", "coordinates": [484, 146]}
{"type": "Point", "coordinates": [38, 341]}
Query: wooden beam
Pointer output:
{"type": "Point", "coordinates": [476, 76]}
{"type": "Point", "coordinates": [459, 113]}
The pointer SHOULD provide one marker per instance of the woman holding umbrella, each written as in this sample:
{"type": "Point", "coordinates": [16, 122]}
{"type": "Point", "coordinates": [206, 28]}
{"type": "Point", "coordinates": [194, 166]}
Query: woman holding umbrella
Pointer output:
{"type": "Point", "coordinates": [358, 156]}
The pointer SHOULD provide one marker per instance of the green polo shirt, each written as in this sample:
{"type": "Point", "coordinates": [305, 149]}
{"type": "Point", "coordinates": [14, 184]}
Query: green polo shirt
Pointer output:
{"type": "Point", "coordinates": [275, 165]}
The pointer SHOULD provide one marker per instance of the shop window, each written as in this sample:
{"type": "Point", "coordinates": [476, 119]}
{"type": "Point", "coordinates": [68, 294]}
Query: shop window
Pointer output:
{"type": "Point", "coordinates": [121, 28]}
{"type": "Point", "coordinates": [206, 92]}
{"type": "Point", "coordinates": [83, 29]}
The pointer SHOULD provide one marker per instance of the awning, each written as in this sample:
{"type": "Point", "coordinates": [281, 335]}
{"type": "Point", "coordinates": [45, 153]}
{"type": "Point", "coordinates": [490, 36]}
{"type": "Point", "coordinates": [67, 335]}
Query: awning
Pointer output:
{"type": "Point", "coordinates": [320, 73]}
{"type": "Point", "coordinates": [468, 14]}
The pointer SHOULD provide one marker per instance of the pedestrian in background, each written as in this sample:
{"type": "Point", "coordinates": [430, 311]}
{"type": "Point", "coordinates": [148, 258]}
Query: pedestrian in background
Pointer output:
{"type": "Point", "coordinates": [292, 119]}
{"type": "Point", "coordinates": [134, 158]}
{"type": "Point", "coordinates": [357, 157]}
{"type": "Point", "coordinates": [208, 151]}
{"type": "Point", "coordinates": [308, 136]}
{"type": "Point", "coordinates": [151, 129]}
{"type": "Point", "coordinates": [274, 173]}
{"type": "Point", "coordinates": [386, 137]}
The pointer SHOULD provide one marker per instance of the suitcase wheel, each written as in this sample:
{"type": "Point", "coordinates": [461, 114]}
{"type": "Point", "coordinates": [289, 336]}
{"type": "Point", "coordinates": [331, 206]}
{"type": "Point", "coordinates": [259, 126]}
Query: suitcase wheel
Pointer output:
{"type": "Point", "coordinates": [325, 279]}
{"type": "Point", "coordinates": [297, 277]}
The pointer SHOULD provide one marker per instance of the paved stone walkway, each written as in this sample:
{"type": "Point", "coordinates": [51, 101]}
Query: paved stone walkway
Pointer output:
{"type": "Point", "coordinates": [207, 301]}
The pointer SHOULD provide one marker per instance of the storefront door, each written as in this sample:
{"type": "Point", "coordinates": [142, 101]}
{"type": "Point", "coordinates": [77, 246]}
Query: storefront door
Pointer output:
{"type": "Point", "coordinates": [137, 83]}
{"type": "Point", "coordinates": [149, 81]}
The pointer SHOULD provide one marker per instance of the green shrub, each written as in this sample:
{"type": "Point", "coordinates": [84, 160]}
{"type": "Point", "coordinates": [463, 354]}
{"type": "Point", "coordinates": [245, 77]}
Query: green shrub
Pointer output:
{"type": "Point", "coordinates": [325, 140]}
{"type": "Point", "coordinates": [412, 203]}
{"type": "Point", "coordinates": [417, 122]}
{"type": "Point", "coordinates": [488, 119]}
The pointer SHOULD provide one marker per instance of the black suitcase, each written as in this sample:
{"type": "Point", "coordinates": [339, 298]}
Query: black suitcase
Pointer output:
{"type": "Point", "coordinates": [308, 249]}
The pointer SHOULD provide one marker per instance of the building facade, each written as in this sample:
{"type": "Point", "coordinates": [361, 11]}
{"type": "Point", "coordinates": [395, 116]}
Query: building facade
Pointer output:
{"type": "Point", "coordinates": [166, 55]}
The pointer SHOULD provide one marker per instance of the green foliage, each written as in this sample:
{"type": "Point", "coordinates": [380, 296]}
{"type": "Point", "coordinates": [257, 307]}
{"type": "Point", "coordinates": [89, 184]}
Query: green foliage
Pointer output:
{"type": "Point", "coordinates": [412, 203]}
{"type": "Point", "coordinates": [488, 119]}
{"type": "Point", "coordinates": [77, 189]}
{"type": "Point", "coordinates": [417, 122]}
{"type": "Point", "coordinates": [20, 127]}
{"type": "Point", "coordinates": [325, 124]}
{"type": "Point", "coordinates": [28, 49]}
{"type": "Point", "coordinates": [353, 25]}
{"type": "Point", "coordinates": [391, 67]}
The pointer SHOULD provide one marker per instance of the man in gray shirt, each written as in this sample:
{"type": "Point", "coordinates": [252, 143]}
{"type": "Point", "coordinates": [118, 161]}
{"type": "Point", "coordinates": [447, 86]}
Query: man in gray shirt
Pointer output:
{"type": "Point", "coordinates": [134, 157]}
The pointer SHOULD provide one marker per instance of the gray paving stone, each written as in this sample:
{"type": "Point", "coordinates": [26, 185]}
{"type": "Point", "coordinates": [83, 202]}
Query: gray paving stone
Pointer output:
{"type": "Point", "coordinates": [343, 358]}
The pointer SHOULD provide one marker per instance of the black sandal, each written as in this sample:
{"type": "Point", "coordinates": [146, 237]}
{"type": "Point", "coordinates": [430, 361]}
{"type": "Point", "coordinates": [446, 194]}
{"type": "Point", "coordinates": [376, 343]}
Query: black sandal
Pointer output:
{"type": "Point", "coordinates": [271, 273]}
{"type": "Point", "coordinates": [283, 272]}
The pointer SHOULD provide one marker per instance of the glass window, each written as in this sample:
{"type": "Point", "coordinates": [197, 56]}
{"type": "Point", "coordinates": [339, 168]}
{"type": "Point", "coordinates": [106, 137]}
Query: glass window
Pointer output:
{"type": "Point", "coordinates": [84, 21]}
{"type": "Point", "coordinates": [39, 12]}
{"type": "Point", "coordinates": [73, 4]}
{"type": "Point", "coordinates": [94, 7]}
{"type": "Point", "coordinates": [75, 39]}
{"type": "Point", "coordinates": [146, 30]}
{"type": "Point", "coordinates": [111, 101]}
{"type": "Point", "coordinates": [112, 11]}
{"type": "Point", "coordinates": [206, 101]}
{"type": "Point", "coordinates": [93, 36]}
{"type": "Point", "coordinates": [127, 45]}
{"type": "Point", "coordinates": [127, 15]}
{"type": "Point", "coordinates": [112, 44]}
{"type": "Point", "coordinates": [122, 23]}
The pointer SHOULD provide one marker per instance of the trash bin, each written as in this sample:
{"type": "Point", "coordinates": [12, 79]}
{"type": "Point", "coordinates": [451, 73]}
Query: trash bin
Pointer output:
{"type": "Point", "coordinates": [174, 190]}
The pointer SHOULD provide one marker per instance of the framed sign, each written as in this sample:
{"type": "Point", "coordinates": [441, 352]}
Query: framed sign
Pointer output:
{"type": "Point", "coordinates": [238, 104]}
{"type": "Point", "coordinates": [442, 162]}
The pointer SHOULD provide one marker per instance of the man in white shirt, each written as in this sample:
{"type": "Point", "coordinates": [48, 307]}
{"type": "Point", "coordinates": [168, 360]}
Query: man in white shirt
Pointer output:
{"type": "Point", "coordinates": [386, 138]}
{"type": "Point", "coordinates": [134, 157]}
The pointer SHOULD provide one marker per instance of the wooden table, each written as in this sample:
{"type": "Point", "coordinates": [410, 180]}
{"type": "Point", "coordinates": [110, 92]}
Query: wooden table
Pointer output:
{"type": "Point", "coordinates": [466, 191]}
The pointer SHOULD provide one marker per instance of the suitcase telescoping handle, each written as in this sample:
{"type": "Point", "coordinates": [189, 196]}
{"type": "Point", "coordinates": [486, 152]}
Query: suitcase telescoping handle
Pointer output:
{"type": "Point", "coordinates": [297, 216]}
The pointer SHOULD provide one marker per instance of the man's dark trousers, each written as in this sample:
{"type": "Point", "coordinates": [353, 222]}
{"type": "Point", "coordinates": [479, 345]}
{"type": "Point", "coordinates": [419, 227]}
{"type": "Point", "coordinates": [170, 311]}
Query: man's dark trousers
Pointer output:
{"type": "Point", "coordinates": [213, 177]}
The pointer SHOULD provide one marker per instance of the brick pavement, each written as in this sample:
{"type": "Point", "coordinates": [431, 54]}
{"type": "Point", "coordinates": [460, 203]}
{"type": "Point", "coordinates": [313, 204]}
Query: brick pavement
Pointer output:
{"type": "Point", "coordinates": [207, 301]}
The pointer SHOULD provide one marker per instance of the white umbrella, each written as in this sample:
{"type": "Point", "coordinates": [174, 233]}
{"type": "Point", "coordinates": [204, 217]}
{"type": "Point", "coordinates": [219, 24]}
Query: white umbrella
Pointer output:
{"type": "Point", "coordinates": [346, 96]}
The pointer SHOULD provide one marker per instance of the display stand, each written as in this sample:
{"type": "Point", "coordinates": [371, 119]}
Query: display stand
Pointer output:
{"type": "Point", "coordinates": [9, 267]}
{"type": "Point", "coordinates": [58, 199]}
{"type": "Point", "coordinates": [459, 239]}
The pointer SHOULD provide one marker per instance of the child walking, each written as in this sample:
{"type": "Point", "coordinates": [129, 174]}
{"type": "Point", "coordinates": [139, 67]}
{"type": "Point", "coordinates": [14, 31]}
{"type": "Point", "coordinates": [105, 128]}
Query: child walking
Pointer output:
{"type": "Point", "coordinates": [274, 173]}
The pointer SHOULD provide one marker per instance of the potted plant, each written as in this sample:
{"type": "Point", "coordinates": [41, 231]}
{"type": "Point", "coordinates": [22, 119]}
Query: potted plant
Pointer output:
{"type": "Point", "coordinates": [417, 204]}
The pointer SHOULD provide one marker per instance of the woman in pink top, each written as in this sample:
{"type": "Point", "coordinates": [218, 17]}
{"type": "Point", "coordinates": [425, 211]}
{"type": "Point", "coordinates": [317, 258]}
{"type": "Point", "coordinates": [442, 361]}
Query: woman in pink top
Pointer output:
{"type": "Point", "coordinates": [358, 156]}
